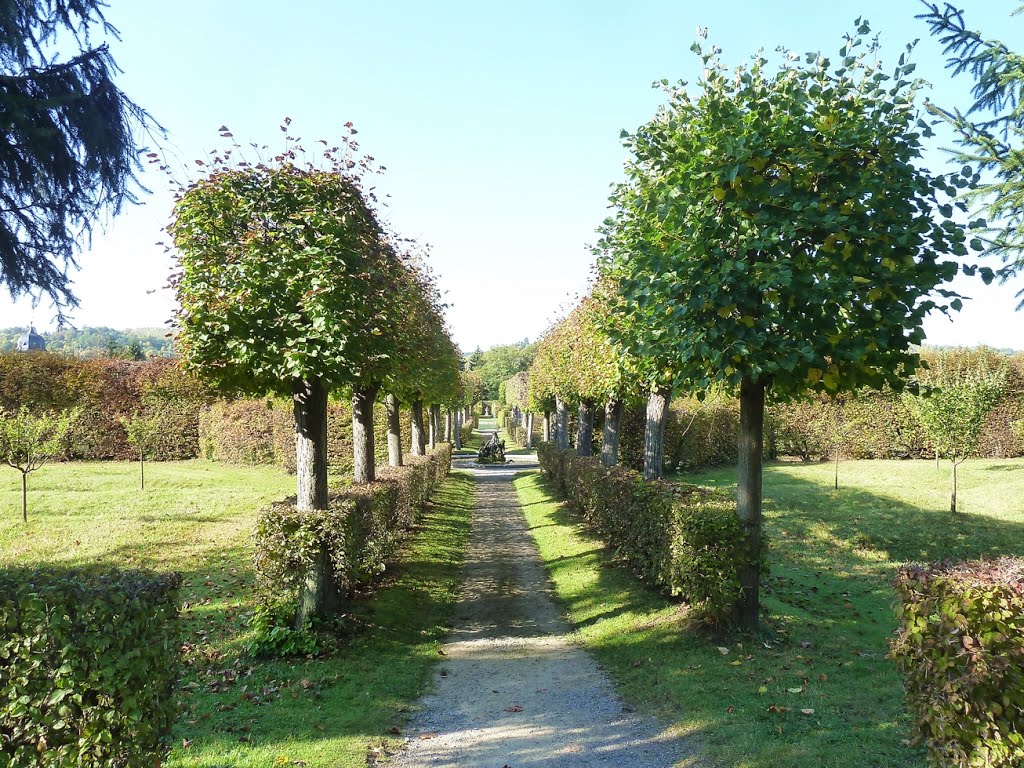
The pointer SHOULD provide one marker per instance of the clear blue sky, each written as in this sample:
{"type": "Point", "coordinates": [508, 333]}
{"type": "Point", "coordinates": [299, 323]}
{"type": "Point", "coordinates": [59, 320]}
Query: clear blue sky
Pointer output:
{"type": "Point", "coordinates": [499, 125]}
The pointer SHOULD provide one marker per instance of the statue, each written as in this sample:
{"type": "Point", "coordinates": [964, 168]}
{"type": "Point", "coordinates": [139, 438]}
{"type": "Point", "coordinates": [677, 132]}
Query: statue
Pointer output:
{"type": "Point", "coordinates": [492, 452]}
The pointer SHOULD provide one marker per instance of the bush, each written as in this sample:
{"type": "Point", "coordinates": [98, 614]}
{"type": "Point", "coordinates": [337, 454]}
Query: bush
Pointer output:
{"type": "Point", "coordinates": [683, 539]}
{"type": "Point", "coordinates": [961, 649]}
{"type": "Point", "coordinates": [88, 664]}
{"type": "Point", "coordinates": [360, 532]}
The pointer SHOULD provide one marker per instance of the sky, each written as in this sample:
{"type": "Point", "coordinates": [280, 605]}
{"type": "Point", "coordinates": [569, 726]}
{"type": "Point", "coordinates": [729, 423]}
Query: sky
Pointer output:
{"type": "Point", "coordinates": [498, 124]}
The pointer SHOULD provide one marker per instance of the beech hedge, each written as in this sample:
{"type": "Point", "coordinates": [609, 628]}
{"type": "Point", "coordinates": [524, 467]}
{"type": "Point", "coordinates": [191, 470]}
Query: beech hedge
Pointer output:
{"type": "Point", "coordinates": [683, 539]}
{"type": "Point", "coordinates": [960, 646]}
{"type": "Point", "coordinates": [88, 664]}
{"type": "Point", "coordinates": [360, 531]}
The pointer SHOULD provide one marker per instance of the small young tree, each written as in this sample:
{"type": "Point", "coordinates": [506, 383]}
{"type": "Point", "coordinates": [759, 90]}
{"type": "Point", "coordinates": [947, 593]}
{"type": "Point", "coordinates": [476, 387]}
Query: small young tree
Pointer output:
{"type": "Point", "coordinates": [142, 428]}
{"type": "Point", "coordinates": [953, 407]}
{"type": "Point", "coordinates": [28, 441]}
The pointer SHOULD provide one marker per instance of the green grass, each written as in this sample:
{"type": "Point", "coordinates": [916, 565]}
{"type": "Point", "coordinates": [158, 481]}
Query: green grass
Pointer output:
{"type": "Point", "coordinates": [197, 518]}
{"type": "Point", "coordinates": [828, 602]}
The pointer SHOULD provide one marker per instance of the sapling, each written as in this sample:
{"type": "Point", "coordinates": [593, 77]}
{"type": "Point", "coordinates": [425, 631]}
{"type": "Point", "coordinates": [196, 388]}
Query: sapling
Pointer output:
{"type": "Point", "coordinates": [28, 441]}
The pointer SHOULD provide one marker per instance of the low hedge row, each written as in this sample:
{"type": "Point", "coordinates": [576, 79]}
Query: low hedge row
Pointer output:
{"type": "Point", "coordinates": [360, 531]}
{"type": "Point", "coordinates": [88, 663]}
{"type": "Point", "coordinates": [961, 648]}
{"type": "Point", "coordinates": [683, 539]}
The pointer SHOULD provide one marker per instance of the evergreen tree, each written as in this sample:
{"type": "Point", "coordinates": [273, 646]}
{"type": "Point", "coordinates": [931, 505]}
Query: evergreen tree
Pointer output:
{"type": "Point", "coordinates": [67, 140]}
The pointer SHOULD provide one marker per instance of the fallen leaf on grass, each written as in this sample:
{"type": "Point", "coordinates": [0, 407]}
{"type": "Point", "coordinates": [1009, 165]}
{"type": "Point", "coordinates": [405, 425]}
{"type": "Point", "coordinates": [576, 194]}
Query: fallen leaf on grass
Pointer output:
{"type": "Point", "coordinates": [795, 690]}
{"type": "Point", "coordinates": [723, 650]}
{"type": "Point", "coordinates": [806, 711]}
{"type": "Point", "coordinates": [425, 736]}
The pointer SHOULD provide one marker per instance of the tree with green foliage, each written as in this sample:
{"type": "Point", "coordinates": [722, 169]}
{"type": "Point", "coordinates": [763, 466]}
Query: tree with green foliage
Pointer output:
{"type": "Point", "coordinates": [991, 132]}
{"type": "Point", "coordinates": [29, 440]}
{"type": "Point", "coordinates": [68, 149]}
{"type": "Point", "coordinates": [500, 362]}
{"type": "Point", "coordinates": [776, 230]}
{"type": "Point", "coordinates": [957, 396]}
{"type": "Point", "coordinates": [143, 428]}
{"type": "Point", "coordinates": [286, 286]}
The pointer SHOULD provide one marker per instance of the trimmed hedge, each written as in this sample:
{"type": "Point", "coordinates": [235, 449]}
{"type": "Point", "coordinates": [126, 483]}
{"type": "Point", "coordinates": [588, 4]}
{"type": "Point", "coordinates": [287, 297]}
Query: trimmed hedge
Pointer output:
{"type": "Point", "coordinates": [88, 664]}
{"type": "Point", "coordinates": [361, 531]}
{"type": "Point", "coordinates": [104, 390]}
{"type": "Point", "coordinates": [683, 539]}
{"type": "Point", "coordinates": [961, 648]}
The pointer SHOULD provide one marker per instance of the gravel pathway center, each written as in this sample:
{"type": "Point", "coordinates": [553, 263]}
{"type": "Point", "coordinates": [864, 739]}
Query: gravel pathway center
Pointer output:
{"type": "Point", "coordinates": [512, 691]}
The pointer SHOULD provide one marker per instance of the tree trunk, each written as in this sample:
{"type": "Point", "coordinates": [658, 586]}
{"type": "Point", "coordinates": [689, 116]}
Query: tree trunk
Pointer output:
{"type": "Point", "coordinates": [24, 497]}
{"type": "Point", "coordinates": [309, 401]}
{"type": "Point", "coordinates": [654, 434]}
{"type": "Point", "coordinates": [364, 470]}
{"type": "Point", "coordinates": [142, 470]}
{"type": "Point", "coordinates": [952, 496]}
{"type": "Point", "coordinates": [318, 595]}
{"type": "Point", "coordinates": [748, 499]}
{"type": "Point", "coordinates": [837, 466]}
{"type": "Point", "coordinates": [394, 431]}
{"type": "Point", "coordinates": [585, 429]}
{"type": "Point", "coordinates": [610, 438]}
{"type": "Point", "coordinates": [457, 429]}
{"type": "Point", "coordinates": [448, 418]}
{"type": "Point", "coordinates": [561, 424]}
{"type": "Point", "coordinates": [547, 427]}
{"type": "Point", "coordinates": [529, 430]}
{"type": "Point", "coordinates": [419, 437]}
{"type": "Point", "coordinates": [435, 426]}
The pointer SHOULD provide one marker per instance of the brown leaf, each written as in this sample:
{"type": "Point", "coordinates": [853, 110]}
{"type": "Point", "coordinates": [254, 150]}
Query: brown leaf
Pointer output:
{"type": "Point", "coordinates": [514, 708]}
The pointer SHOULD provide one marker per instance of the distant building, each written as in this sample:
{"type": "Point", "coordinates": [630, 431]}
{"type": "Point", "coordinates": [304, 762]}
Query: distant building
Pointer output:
{"type": "Point", "coordinates": [31, 342]}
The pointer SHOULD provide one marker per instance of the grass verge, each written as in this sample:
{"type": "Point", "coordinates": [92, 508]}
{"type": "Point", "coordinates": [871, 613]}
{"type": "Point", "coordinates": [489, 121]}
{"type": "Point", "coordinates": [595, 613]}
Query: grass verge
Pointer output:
{"type": "Point", "coordinates": [197, 518]}
{"type": "Point", "coordinates": [815, 687]}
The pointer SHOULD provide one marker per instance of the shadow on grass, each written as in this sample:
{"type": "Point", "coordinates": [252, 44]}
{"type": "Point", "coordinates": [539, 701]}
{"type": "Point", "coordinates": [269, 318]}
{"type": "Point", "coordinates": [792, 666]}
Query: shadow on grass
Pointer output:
{"type": "Point", "coordinates": [814, 687]}
{"type": "Point", "coordinates": [244, 712]}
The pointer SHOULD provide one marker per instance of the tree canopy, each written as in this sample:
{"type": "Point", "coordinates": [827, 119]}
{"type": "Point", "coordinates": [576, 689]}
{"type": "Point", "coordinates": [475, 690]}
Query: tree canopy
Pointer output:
{"type": "Point", "coordinates": [68, 147]}
{"type": "Point", "coordinates": [991, 132]}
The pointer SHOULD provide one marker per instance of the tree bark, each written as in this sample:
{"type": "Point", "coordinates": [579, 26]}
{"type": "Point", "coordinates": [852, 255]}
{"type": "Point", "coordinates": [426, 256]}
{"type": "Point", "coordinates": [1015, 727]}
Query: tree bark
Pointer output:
{"type": "Point", "coordinates": [654, 434]}
{"type": "Point", "coordinates": [561, 424]}
{"type": "Point", "coordinates": [529, 430]}
{"type": "Point", "coordinates": [612, 427]}
{"type": "Point", "coordinates": [318, 595]}
{"type": "Point", "coordinates": [364, 470]}
{"type": "Point", "coordinates": [309, 401]}
{"type": "Point", "coordinates": [419, 437]}
{"type": "Point", "coordinates": [585, 429]}
{"type": "Point", "coordinates": [748, 499]}
{"type": "Point", "coordinates": [24, 497]}
{"type": "Point", "coordinates": [448, 418]}
{"type": "Point", "coordinates": [547, 427]}
{"type": "Point", "coordinates": [837, 466]}
{"type": "Point", "coordinates": [457, 429]}
{"type": "Point", "coordinates": [952, 495]}
{"type": "Point", "coordinates": [394, 431]}
{"type": "Point", "coordinates": [435, 426]}
{"type": "Point", "coordinates": [142, 470]}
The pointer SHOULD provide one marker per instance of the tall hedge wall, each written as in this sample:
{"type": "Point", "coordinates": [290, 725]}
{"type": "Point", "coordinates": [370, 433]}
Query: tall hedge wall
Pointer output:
{"type": "Point", "coordinates": [262, 431]}
{"type": "Point", "coordinates": [104, 390]}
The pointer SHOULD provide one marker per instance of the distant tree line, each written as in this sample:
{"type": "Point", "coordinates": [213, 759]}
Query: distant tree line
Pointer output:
{"type": "Point", "coordinates": [128, 344]}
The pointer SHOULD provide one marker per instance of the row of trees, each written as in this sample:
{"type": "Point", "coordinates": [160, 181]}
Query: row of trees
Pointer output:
{"type": "Point", "coordinates": [776, 235]}
{"type": "Point", "coordinates": [290, 283]}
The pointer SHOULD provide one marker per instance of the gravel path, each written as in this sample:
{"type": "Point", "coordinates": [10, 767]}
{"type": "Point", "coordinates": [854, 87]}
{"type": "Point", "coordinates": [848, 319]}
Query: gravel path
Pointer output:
{"type": "Point", "coordinates": [512, 690]}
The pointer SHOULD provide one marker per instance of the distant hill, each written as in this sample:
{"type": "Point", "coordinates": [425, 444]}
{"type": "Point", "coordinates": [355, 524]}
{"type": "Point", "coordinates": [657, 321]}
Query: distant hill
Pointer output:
{"type": "Point", "coordinates": [130, 343]}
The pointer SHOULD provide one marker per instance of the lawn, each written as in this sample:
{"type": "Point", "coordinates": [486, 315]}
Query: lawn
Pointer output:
{"type": "Point", "coordinates": [815, 687]}
{"type": "Point", "coordinates": [197, 518]}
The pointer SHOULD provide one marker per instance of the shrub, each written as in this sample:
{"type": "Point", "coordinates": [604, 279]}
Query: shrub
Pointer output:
{"type": "Point", "coordinates": [683, 539]}
{"type": "Point", "coordinates": [360, 533]}
{"type": "Point", "coordinates": [961, 649]}
{"type": "Point", "coordinates": [88, 663]}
